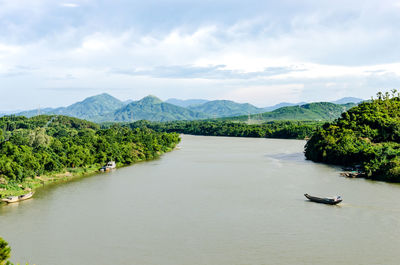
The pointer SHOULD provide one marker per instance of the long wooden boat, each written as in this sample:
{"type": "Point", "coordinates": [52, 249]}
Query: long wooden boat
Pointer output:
{"type": "Point", "coordinates": [12, 199]}
{"type": "Point", "coordinates": [331, 201]}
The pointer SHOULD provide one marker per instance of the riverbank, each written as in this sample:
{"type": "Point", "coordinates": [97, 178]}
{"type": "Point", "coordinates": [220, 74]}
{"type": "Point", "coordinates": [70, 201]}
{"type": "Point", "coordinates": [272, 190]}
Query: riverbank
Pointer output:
{"type": "Point", "coordinates": [29, 184]}
{"type": "Point", "coordinates": [365, 137]}
{"type": "Point", "coordinates": [9, 188]}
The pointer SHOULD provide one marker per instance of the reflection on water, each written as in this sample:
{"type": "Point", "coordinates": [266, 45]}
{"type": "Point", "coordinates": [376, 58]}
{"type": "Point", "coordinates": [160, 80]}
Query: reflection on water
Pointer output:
{"type": "Point", "coordinates": [8, 207]}
{"type": "Point", "coordinates": [296, 156]}
{"type": "Point", "coordinates": [216, 200]}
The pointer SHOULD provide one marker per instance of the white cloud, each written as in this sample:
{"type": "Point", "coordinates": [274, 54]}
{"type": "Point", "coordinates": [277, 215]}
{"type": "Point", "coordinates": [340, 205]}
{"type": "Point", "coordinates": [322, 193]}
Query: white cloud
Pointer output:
{"type": "Point", "coordinates": [239, 56]}
{"type": "Point", "coordinates": [69, 5]}
{"type": "Point", "coordinates": [8, 49]}
{"type": "Point", "coordinates": [266, 95]}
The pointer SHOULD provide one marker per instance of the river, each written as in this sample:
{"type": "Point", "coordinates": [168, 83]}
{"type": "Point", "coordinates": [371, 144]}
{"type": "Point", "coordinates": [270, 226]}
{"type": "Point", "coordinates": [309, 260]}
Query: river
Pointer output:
{"type": "Point", "coordinates": [214, 200]}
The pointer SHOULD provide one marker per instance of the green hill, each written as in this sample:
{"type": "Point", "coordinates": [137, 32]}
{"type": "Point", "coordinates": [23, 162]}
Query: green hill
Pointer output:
{"type": "Point", "coordinates": [92, 107]}
{"type": "Point", "coordinates": [225, 108]}
{"type": "Point", "coordinates": [313, 111]}
{"type": "Point", "coordinates": [95, 108]}
{"type": "Point", "coordinates": [366, 137]}
{"type": "Point", "coordinates": [153, 109]}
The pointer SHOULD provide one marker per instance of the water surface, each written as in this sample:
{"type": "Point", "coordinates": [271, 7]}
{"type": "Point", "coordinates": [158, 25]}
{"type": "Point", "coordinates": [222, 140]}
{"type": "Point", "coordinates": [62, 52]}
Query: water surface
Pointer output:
{"type": "Point", "coordinates": [215, 200]}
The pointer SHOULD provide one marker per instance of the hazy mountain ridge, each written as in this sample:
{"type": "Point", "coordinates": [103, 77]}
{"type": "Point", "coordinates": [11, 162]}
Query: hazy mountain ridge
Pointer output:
{"type": "Point", "coordinates": [346, 100]}
{"type": "Point", "coordinates": [283, 104]}
{"type": "Point", "coordinates": [31, 113]}
{"type": "Point", "coordinates": [186, 102]}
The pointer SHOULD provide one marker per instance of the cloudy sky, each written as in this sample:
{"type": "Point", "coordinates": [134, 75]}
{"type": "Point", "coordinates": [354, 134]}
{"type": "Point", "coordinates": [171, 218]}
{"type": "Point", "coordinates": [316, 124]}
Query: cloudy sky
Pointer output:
{"type": "Point", "coordinates": [54, 53]}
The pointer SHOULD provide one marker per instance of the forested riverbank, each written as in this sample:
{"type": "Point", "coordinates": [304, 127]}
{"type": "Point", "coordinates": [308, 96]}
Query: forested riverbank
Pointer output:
{"type": "Point", "coordinates": [366, 137]}
{"type": "Point", "coordinates": [44, 148]}
{"type": "Point", "coordinates": [275, 129]}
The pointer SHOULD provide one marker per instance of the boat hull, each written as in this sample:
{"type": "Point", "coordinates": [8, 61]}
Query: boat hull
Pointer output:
{"type": "Point", "coordinates": [323, 200]}
{"type": "Point", "coordinates": [13, 199]}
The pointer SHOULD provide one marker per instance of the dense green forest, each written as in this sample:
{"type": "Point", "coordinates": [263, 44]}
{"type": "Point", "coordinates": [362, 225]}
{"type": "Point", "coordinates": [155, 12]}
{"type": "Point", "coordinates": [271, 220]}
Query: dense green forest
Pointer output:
{"type": "Point", "coordinates": [43, 145]}
{"type": "Point", "coordinates": [366, 137]}
{"type": "Point", "coordinates": [278, 129]}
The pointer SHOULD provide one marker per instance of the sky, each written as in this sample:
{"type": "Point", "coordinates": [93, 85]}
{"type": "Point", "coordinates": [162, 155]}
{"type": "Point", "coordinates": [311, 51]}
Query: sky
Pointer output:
{"type": "Point", "coordinates": [54, 53]}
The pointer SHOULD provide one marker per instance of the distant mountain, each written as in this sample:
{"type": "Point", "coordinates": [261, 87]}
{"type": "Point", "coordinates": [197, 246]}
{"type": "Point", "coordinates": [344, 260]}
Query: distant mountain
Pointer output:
{"type": "Point", "coordinates": [126, 102]}
{"type": "Point", "coordinates": [186, 103]}
{"type": "Point", "coordinates": [93, 108]}
{"type": "Point", "coordinates": [225, 108]}
{"type": "Point", "coordinates": [104, 107]}
{"type": "Point", "coordinates": [153, 109]}
{"type": "Point", "coordinates": [31, 113]}
{"type": "Point", "coordinates": [283, 104]}
{"type": "Point", "coordinates": [310, 111]}
{"type": "Point", "coordinates": [339, 101]}
{"type": "Point", "coordinates": [347, 100]}
{"type": "Point", "coordinates": [8, 112]}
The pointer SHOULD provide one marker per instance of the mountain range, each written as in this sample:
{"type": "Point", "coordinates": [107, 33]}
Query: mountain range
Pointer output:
{"type": "Point", "coordinates": [194, 103]}
{"type": "Point", "coordinates": [104, 107]}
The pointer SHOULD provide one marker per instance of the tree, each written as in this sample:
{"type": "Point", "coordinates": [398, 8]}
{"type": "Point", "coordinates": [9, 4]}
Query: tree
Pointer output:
{"type": "Point", "coordinates": [4, 252]}
{"type": "Point", "coordinates": [38, 137]}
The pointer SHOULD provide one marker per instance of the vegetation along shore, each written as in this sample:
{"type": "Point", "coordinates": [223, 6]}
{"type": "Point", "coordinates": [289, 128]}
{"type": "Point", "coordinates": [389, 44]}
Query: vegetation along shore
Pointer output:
{"type": "Point", "coordinates": [273, 129]}
{"type": "Point", "coordinates": [366, 137]}
{"type": "Point", "coordinates": [42, 149]}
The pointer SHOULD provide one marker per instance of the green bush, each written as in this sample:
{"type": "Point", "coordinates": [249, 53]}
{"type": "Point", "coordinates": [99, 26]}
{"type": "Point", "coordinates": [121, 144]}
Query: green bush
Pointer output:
{"type": "Point", "coordinates": [5, 251]}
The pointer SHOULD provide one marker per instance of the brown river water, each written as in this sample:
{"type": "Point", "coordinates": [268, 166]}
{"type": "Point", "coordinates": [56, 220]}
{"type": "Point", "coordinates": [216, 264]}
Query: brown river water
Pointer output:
{"type": "Point", "coordinates": [214, 200]}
